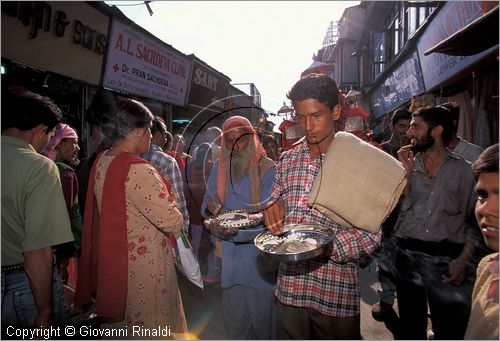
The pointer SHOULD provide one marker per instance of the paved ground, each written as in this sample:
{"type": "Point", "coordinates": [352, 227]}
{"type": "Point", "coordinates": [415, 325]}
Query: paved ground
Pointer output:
{"type": "Point", "coordinates": [370, 328]}
{"type": "Point", "coordinates": [204, 310]}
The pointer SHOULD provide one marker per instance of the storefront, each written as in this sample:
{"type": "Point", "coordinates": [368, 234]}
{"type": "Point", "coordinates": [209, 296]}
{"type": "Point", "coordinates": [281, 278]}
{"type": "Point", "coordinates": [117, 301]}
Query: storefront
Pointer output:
{"type": "Point", "coordinates": [55, 49]}
{"type": "Point", "coordinates": [86, 55]}
{"type": "Point", "coordinates": [463, 75]}
{"type": "Point", "coordinates": [397, 88]}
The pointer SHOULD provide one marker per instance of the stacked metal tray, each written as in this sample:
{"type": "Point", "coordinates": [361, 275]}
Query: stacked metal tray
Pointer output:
{"type": "Point", "coordinates": [240, 232]}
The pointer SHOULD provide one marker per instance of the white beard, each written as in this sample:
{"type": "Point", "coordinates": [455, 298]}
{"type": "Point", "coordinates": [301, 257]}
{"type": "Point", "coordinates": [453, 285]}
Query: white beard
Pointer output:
{"type": "Point", "coordinates": [238, 165]}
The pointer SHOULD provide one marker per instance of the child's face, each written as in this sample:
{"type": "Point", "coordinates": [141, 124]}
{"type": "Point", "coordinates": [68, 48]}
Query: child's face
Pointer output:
{"type": "Point", "coordinates": [487, 208]}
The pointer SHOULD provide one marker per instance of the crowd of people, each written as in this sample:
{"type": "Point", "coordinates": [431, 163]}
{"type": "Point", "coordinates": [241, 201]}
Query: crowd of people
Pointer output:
{"type": "Point", "coordinates": [100, 234]}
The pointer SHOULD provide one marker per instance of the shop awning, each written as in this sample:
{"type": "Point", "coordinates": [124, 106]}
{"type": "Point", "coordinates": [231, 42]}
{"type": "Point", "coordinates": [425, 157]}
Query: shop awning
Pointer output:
{"type": "Point", "coordinates": [474, 38]}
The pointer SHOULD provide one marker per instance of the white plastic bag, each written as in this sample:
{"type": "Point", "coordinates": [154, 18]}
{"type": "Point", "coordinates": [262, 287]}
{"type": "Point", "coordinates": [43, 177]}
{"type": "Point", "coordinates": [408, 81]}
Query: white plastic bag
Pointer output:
{"type": "Point", "coordinates": [186, 262]}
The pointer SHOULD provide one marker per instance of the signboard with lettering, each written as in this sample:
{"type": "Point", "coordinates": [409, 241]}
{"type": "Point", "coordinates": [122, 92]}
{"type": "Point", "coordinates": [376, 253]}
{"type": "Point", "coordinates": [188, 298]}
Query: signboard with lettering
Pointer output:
{"type": "Point", "coordinates": [138, 64]}
{"type": "Point", "coordinates": [208, 88]}
{"type": "Point", "coordinates": [64, 37]}
{"type": "Point", "coordinates": [399, 86]}
{"type": "Point", "coordinates": [438, 67]}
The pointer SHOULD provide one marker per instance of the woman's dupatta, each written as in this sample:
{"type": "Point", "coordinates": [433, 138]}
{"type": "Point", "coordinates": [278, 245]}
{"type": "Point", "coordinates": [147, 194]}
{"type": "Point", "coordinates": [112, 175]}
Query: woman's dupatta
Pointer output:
{"type": "Point", "coordinates": [105, 239]}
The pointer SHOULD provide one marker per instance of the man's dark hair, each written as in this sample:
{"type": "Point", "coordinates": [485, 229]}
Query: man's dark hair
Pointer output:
{"type": "Point", "coordinates": [320, 87]}
{"type": "Point", "coordinates": [157, 121]}
{"type": "Point", "coordinates": [102, 104]}
{"type": "Point", "coordinates": [487, 162]}
{"type": "Point", "coordinates": [28, 110]}
{"type": "Point", "coordinates": [401, 114]}
{"type": "Point", "coordinates": [437, 115]}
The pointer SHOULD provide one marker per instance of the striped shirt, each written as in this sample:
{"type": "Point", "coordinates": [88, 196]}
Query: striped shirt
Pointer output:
{"type": "Point", "coordinates": [329, 285]}
{"type": "Point", "coordinates": [168, 168]}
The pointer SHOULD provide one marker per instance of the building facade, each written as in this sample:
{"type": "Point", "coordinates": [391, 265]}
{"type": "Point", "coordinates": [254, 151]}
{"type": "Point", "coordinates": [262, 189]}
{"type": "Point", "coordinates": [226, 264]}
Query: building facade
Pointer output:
{"type": "Point", "coordinates": [86, 55]}
{"type": "Point", "coordinates": [395, 61]}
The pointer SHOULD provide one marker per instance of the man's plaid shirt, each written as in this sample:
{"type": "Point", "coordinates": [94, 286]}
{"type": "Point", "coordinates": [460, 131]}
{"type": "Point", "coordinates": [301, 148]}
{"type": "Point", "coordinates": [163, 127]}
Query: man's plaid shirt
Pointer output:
{"type": "Point", "coordinates": [329, 285]}
{"type": "Point", "coordinates": [168, 168]}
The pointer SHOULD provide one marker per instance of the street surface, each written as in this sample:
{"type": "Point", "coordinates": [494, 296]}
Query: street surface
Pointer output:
{"type": "Point", "coordinates": [204, 309]}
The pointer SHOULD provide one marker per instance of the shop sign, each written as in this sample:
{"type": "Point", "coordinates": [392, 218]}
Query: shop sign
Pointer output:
{"type": "Point", "coordinates": [208, 89]}
{"type": "Point", "coordinates": [40, 16]}
{"type": "Point", "coordinates": [68, 38]}
{"type": "Point", "coordinates": [453, 16]}
{"type": "Point", "coordinates": [139, 64]}
{"type": "Point", "coordinates": [399, 87]}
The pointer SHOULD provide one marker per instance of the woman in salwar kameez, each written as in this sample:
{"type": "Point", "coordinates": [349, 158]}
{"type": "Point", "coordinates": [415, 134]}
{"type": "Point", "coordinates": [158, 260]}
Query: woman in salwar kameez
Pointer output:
{"type": "Point", "coordinates": [131, 223]}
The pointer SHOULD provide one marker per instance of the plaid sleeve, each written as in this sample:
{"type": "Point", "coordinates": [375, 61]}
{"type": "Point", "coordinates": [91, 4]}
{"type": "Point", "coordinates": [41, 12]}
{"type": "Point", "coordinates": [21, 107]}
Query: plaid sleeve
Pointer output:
{"type": "Point", "coordinates": [168, 168]}
{"type": "Point", "coordinates": [352, 243]}
{"type": "Point", "coordinates": [175, 178]}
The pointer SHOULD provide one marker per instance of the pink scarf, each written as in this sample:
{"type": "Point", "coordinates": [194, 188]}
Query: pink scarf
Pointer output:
{"type": "Point", "coordinates": [63, 131]}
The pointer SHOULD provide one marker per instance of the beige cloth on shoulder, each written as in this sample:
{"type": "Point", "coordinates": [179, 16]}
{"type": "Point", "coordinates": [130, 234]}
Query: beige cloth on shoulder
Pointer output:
{"type": "Point", "coordinates": [358, 184]}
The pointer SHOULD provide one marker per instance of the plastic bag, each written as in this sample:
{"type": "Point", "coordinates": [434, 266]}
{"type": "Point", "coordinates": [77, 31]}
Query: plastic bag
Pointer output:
{"type": "Point", "coordinates": [186, 262]}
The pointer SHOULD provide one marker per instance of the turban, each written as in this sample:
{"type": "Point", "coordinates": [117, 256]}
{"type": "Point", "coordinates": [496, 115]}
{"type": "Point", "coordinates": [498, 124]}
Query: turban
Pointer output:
{"type": "Point", "coordinates": [256, 150]}
{"type": "Point", "coordinates": [63, 131]}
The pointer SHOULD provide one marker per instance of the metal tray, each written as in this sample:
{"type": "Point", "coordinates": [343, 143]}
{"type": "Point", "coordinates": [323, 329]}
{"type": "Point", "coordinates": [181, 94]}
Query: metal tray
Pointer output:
{"type": "Point", "coordinates": [243, 233]}
{"type": "Point", "coordinates": [277, 248]}
{"type": "Point", "coordinates": [250, 224]}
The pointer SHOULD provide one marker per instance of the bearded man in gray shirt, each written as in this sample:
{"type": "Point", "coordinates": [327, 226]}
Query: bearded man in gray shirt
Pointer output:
{"type": "Point", "coordinates": [436, 231]}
